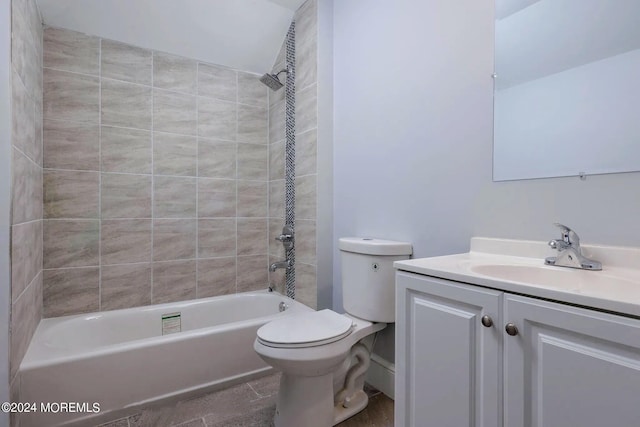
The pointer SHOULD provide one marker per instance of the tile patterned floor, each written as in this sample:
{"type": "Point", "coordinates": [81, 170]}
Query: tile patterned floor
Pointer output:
{"type": "Point", "coordinates": [249, 404]}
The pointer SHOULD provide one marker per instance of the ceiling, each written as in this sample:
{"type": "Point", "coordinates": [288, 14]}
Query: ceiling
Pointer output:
{"type": "Point", "coordinates": [241, 34]}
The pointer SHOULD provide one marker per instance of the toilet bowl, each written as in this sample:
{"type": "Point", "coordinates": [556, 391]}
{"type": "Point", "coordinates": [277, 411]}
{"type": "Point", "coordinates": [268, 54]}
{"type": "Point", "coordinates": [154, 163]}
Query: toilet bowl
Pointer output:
{"type": "Point", "coordinates": [308, 357]}
{"type": "Point", "coordinates": [317, 350]}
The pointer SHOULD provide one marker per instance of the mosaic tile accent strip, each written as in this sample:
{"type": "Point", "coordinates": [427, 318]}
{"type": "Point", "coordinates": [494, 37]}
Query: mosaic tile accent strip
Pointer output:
{"type": "Point", "coordinates": [290, 155]}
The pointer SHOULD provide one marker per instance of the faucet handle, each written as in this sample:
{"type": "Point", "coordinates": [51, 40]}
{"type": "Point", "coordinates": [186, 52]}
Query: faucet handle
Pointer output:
{"type": "Point", "coordinates": [569, 236]}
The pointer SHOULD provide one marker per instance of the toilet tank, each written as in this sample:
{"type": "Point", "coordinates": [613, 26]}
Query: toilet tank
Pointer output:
{"type": "Point", "coordinates": [368, 277]}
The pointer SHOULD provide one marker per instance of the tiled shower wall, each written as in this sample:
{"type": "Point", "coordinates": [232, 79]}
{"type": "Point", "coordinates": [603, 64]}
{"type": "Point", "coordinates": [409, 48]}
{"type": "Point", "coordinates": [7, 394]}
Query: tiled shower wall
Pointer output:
{"type": "Point", "coordinates": [26, 204]}
{"type": "Point", "coordinates": [155, 177]}
{"type": "Point", "coordinates": [306, 155]}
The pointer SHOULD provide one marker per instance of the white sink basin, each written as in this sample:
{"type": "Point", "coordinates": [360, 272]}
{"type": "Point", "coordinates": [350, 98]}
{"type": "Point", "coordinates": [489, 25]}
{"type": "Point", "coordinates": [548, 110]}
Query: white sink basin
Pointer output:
{"type": "Point", "coordinates": [569, 279]}
{"type": "Point", "coordinates": [518, 266]}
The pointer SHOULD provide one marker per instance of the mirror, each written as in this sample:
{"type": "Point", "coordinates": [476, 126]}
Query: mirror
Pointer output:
{"type": "Point", "coordinates": [567, 88]}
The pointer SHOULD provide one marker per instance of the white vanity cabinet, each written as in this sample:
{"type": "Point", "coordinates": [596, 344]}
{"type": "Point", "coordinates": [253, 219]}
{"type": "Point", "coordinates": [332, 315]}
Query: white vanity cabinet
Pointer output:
{"type": "Point", "coordinates": [557, 366]}
{"type": "Point", "coordinates": [570, 366]}
{"type": "Point", "coordinates": [448, 365]}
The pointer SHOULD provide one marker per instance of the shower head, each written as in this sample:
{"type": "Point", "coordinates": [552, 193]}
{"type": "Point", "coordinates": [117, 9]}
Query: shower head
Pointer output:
{"type": "Point", "coordinates": [272, 81]}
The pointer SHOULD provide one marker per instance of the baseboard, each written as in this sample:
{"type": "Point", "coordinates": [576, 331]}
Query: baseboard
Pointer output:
{"type": "Point", "coordinates": [381, 375]}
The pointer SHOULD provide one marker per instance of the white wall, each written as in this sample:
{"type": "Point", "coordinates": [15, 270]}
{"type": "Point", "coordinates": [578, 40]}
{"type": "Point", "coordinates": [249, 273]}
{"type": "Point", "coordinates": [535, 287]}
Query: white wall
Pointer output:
{"type": "Point", "coordinates": [5, 200]}
{"type": "Point", "coordinates": [412, 121]}
{"type": "Point", "coordinates": [413, 139]}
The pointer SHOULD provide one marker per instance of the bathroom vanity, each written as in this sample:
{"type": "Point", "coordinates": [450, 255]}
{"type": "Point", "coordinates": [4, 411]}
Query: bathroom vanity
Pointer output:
{"type": "Point", "coordinates": [490, 339]}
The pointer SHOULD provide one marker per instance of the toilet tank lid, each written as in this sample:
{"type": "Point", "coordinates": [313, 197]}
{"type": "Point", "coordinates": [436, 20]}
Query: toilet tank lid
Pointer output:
{"type": "Point", "coordinates": [369, 246]}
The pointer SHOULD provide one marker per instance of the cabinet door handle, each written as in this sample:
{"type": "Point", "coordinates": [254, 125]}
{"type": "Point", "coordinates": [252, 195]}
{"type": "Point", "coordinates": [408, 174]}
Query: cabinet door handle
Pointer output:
{"type": "Point", "coordinates": [487, 321]}
{"type": "Point", "coordinates": [511, 329]}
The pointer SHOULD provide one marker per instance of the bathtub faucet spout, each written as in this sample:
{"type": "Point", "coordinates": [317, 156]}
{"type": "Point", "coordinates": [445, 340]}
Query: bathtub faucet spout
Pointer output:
{"type": "Point", "coordinates": [280, 264]}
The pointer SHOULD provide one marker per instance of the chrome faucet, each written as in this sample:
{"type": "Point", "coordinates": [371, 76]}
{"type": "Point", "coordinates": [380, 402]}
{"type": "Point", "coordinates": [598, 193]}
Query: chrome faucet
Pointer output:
{"type": "Point", "coordinates": [280, 264]}
{"type": "Point", "coordinates": [570, 253]}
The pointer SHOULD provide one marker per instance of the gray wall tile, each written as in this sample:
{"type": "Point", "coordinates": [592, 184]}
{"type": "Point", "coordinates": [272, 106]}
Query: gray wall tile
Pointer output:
{"type": "Point", "coordinates": [26, 199]}
{"type": "Point", "coordinates": [26, 255]}
{"type": "Point", "coordinates": [251, 91]}
{"type": "Point", "coordinates": [126, 196]}
{"type": "Point", "coordinates": [174, 72]}
{"type": "Point", "coordinates": [306, 62]}
{"type": "Point", "coordinates": [175, 154]}
{"type": "Point", "coordinates": [275, 229]}
{"type": "Point", "coordinates": [216, 198]}
{"type": "Point", "coordinates": [174, 281]}
{"type": "Point", "coordinates": [277, 122]}
{"type": "Point", "coordinates": [276, 198]}
{"type": "Point", "coordinates": [253, 124]}
{"type": "Point", "coordinates": [174, 197]}
{"type": "Point", "coordinates": [306, 109]}
{"type": "Point", "coordinates": [252, 236]}
{"type": "Point", "coordinates": [126, 104]}
{"type": "Point", "coordinates": [125, 241]}
{"type": "Point", "coordinates": [125, 62]}
{"type": "Point", "coordinates": [23, 113]}
{"type": "Point", "coordinates": [174, 112]}
{"type": "Point", "coordinates": [71, 291]}
{"type": "Point", "coordinates": [125, 286]}
{"type": "Point", "coordinates": [26, 182]}
{"type": "Point", "coordinates": [216, 159]}
{"type": "Point", "coordinates": [216, 237]}
{"type": "Point", "coordinates": [253, 161]}
{"type": "Point", "coordinates": [69, 96]}
{"type": "Point", "coordinates": [35, 150]}
{"type": "Point", "coordinates": [125, 150]}
{"type": "Point", "coordinates": [306, 197]}
{"type": "Point", "coordinates": [216, 119]}
{"type": "Point", "coordinates": [276, 160]}
{"type": "Point", "coordinates": [306, 44]}
{"type": "Point", "coordinates": [26, 49]}
{"type": "Point", "coordinates": [306, 288]}
{"type": "Point", "coordinates": [71, 51]}
{"type": "Point", "coordinates": [252, 199]}
{"type": "Point", "coordinates": [216, 277]}
{"type": "Point", "coordinates": [26, 313]}
{"type": "Point", "coordinates": [306, 21]}
{"type": "Point", "coordinates": [71, 145]}
{"type": "Point", "coordinates": [306, 153]}
{"type": "Point", "coordinates": [174, 239]}
{"type": "Point", "coordinates": [71, 194]}
{"type": "Point", "coordinates": [252, 273]}
{"type": "Point", "coordinates": [306, 241]}
{"type": "Point", "coordinates": [217, 82]}
{"type": "Point", "coordinates": [19, 263]}
{"type": "Point", "coordinates": [70, 243]}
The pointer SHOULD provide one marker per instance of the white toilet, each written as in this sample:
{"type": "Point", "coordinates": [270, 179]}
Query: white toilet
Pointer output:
{"type": "Point", "coordinates": [323, 355]}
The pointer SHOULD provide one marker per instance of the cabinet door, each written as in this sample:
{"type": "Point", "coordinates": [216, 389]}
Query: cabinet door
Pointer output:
{"type": "Point", "coordinates": [570, 367]}
{"type": "Point", "coordinates": [448, 365]}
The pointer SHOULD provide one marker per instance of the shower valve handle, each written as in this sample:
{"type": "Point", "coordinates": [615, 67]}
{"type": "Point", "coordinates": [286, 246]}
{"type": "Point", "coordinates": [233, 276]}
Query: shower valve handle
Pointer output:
{"type": "Point", "coordinates": [286, 237]}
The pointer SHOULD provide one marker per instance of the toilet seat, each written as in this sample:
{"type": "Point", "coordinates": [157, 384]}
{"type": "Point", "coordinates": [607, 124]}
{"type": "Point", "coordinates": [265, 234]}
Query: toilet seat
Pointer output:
{"type": "Point", "coordinates": [305, 329]}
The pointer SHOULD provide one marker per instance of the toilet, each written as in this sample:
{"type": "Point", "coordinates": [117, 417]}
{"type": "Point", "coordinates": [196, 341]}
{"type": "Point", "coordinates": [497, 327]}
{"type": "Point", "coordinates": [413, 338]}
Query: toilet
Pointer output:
{"type": "Point", "coordinates": [324, 355]}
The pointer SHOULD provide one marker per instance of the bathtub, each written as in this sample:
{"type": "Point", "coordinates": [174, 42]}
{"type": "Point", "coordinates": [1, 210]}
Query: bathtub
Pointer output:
{"type": "Point", "coordinates": [121, 360]}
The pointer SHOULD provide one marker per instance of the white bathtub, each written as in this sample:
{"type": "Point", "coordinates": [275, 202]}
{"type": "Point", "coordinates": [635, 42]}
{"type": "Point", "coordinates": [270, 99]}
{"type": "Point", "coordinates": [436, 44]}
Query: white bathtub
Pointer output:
{"type": "Point", "coordinates": [121, 360]}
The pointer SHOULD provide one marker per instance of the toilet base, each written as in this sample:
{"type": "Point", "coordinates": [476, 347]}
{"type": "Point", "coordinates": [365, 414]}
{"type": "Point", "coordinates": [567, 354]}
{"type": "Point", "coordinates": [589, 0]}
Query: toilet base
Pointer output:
{"type": "Point", "coordinates": [358, 402]}
{"type": "Point", "coordinates": [305, 401]}
{"type": "Point", "coordinates": [308, 401]}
